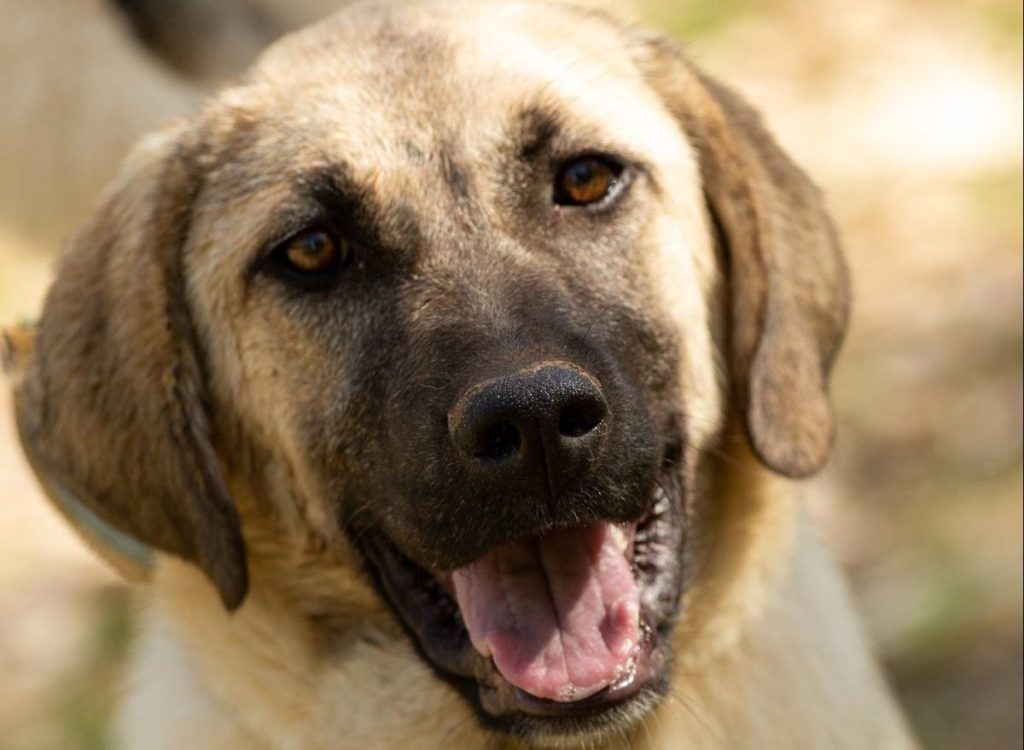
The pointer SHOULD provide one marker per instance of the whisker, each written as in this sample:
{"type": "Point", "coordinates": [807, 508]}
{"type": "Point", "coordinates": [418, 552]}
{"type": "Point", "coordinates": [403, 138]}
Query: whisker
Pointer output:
{"type": "Point", "coordinates": [679, 699]}
{"type": "Point", "coordinates": [443, 742]}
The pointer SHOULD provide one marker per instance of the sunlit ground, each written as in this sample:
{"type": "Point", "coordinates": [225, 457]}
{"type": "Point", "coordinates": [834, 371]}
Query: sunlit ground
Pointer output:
{"type": "Point", "coordinates": [908, 113]}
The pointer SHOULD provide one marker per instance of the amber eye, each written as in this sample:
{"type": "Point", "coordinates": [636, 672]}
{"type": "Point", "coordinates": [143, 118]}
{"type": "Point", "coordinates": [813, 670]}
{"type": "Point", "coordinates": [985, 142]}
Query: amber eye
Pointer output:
{"type": "Point", "coordinates": [313, 256]}
{"type": "Point", "coordinates": [584, 181]}
{"type": "Point", "coordinates": [312, 251]}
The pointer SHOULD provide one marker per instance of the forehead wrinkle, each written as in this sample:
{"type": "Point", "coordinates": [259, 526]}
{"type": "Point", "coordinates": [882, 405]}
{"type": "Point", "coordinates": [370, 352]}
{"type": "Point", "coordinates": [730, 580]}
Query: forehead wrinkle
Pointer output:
{"type": "Point", "coordinates": [438, 62]}
{"type": "Point", "coordinates": [568, 80]}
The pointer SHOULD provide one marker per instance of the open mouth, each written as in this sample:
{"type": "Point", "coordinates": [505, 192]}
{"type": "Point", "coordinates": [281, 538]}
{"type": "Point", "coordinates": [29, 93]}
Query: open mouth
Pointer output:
{"type": "Point", "coordinates": [565, 631]}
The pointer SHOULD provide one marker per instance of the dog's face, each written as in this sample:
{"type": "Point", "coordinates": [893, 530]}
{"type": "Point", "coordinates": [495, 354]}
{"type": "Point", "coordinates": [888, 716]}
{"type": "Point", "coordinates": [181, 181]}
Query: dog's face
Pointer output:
{"type": "Point", "coordinates": [440, 286]}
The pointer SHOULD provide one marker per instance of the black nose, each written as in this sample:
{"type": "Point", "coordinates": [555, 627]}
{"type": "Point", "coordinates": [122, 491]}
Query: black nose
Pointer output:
{"type": "Point", "coordinates": [546, 422]}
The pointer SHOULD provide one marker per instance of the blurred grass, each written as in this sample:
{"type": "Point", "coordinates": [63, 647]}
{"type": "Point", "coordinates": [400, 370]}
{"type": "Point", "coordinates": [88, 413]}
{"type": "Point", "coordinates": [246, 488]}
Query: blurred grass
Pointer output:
{"type": "Point", "coordinates": [88, 694]}
{"type": "Point", "coordinates": [73, 712]}
{"type": "Point", "coordinates": [908, 113]}
{"type": "Point", "coordinates": [687, 19]}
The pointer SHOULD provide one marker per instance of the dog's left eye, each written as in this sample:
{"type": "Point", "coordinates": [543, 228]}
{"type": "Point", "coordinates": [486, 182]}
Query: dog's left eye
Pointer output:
{"type": "Point", "coordinates": [586, 181]}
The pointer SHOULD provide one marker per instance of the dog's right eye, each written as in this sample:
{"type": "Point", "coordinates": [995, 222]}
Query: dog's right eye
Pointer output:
{"type": "Point", "coordinates": [587, 181]}
{"type": "Point", "coordinates": [313, 257]}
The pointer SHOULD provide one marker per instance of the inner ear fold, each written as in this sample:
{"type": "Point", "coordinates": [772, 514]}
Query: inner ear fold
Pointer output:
{"type": "Point", "coordinates": [788, 284]}
{"type": "Point", "coordinates": [112, 405]}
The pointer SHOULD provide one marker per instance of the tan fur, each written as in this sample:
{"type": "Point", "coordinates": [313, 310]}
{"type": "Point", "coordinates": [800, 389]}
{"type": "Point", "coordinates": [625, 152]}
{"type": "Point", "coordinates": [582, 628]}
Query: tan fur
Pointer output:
{"type": "Point", "coordinates": [261, 629]}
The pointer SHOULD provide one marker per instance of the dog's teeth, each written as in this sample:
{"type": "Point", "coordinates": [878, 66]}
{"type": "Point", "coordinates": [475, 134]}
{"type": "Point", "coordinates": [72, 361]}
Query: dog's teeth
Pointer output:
{"type": "Point", "coordinates": [660, 501]}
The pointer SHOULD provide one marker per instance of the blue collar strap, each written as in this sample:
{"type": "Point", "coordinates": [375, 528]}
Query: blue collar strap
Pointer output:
{"type": "Point", "coordinates": [132, 558]}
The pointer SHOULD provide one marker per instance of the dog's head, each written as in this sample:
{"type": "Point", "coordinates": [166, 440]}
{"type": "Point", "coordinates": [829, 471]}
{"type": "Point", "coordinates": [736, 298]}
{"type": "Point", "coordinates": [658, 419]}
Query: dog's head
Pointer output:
{"type": "Point", "coordinates": [462, 296]}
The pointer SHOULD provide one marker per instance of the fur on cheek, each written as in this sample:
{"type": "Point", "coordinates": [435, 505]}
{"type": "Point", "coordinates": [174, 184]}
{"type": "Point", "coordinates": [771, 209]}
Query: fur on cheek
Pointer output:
{"type": "Point", "coordinates": [685, 287]}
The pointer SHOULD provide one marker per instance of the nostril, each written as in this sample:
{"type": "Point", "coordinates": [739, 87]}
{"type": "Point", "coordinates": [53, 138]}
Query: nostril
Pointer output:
{"type": "Point", "coordinates": [581, 416]}
{"type": "Point", "coordinates": [500, 441]}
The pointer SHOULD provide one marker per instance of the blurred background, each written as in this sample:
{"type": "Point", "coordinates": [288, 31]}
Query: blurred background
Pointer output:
{"type": "Point", "coordinates": [907, 112]}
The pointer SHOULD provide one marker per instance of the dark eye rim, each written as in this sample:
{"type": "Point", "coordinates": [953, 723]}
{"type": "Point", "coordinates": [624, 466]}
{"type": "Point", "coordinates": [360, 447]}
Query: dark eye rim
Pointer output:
{"type": "Point", "coordinates": [622, 177]}
{"type": "Point", "coordinates": [276, 263]}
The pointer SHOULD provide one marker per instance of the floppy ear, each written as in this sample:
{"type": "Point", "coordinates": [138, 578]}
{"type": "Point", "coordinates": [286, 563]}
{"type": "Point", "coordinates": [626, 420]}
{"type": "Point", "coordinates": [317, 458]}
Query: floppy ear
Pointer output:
{"type": "Point", "coordinates": [111, 405]}
{"type": "Point", "coordinates": [786, 276]}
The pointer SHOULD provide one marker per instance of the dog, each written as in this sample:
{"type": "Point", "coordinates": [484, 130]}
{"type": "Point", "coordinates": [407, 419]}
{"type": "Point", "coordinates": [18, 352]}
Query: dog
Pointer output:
{"type": "Point", "coordinates": [446, 380]}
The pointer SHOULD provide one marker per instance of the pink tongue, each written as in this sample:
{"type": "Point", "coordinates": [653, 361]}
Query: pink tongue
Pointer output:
{"type": "Point", "coordinates": [559, 614]}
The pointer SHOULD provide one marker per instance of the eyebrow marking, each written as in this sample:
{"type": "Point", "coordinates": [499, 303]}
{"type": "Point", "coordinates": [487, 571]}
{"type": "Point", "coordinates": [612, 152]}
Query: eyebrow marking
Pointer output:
{"type": "Point", "coordinates": [533, 129]}
{"type": "Point", "coordinates": [358, 211]}
{"type": "Point", "coordinates": [332, 187]}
